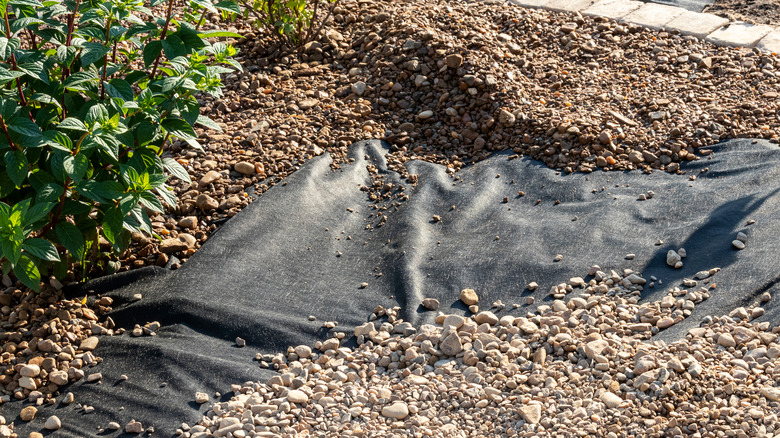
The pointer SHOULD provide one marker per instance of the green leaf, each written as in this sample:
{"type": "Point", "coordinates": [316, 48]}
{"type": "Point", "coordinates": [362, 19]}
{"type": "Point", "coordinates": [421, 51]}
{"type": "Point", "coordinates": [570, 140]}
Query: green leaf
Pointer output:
{"type": "Point", "coordinates": [70, 237]}
{"type": "Point", "coordinates": [150, 201]}
{"type": "Point", "coordinates": [41, 248]}
{"type": "Point", "coordinates": [24, 126]}
{"type": "Point", "coordinates": [45, 99]}
{"type": "Point", "coordinates": [120, 89]}
{"type": "Point", "coordinates": [176, 169]}
{"type": "Point", "coordinates": [104, 192]}
{"type": "Point", "coordinates": [93, 52]}
{"type": "Point", "coordinates": [167, 195]}
{"type": "Point", "coordinates": [79, 81]}
{"type": "Point", "coordinates": [76, 166]}
{"type": "Point", "coordinates": [26, 272]}
{"type": "Point", "coordinates": [11, 243]}
{"type": "Point", "coordinates": [173, 47]}
{"type": "Point", "coordinates": [112, 225]}
{"type": "Point", "coordinates": [208, 123]}
{"type": "Point", "coordinates": [72, 123]}
{"type": "Point", "coordinates": [220, 33]}
{"type": "Point", "coordinates": [58, 140]}
{"type": "Point", "coordinates": [16, 166]}
{"type": "Point", "coordinates": [37, 212]}
{"type": "Point", "coordinates": [8, 47]}
{"type": "Point", "coordinates": [8, 75]}
{"type": "Point", "coordinates": [50, 192]}
{"type": "Point", "coordinates": [179, 128]}
{"type": "Point", "coordinates": [151, 51]}
{"type": "Point", "coordinates": [21, 23]}
{"type": "Point", "coordinates": [32, 3]}
{"type": "Point", "coordinates": [228, 6]}
{"type": "Point", "coordinates": [205, 4]}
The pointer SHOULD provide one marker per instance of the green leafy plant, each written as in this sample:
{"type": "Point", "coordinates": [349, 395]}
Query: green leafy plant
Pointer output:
{"type": "Point", "coordinates": [197, 10]}
{"type": "Point", "coordinates": [90, 92]}
{"type": "Point", "coordinates": [294, 22]}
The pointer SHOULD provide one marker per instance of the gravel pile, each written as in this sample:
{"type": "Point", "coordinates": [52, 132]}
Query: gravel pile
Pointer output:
{"type": "Point", "coordinates": [47, 342]}
{"type": "Point", "coordinates": [451, 82]}
{"type": "Point", "coordinates": [582, 367]}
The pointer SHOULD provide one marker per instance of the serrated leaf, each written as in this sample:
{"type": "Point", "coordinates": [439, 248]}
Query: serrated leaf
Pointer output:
{"type": "Point", "coordinates": [205, 4]}
{"type": "Point", "coordinates": [24, 126]}
{"type": "Point", "coordinates": [37, 212]}
{"type": "Point", "coordinates": [76, 166]}
{"type": "Point", "coordinates": [176, 169]}
{"type": "Point", "coordinates": [21, 23]}
{"type": "Point", "coordinates": [16, 166]}
{"type": "Point", "coordinates": [208, 123]}
{"type": "Point", "coordinates": [50, 192]}
{"type": "Point", "coordinates": [58, 140]}
{"type": "Point", "coordinates": [70, 237]}
{"type": "Point", "coordinates": [150, 201]}
{"type": "Point", "coordinates": [72, 123]}
{"type": "Point", "coordinates": [119, 88]}
{"type": "Point", "coordinates": [167, 195]}
{"type": "Point", "coordinates": [41, 248]}
{"type": "Point", "coordinates": [93, 52]}
{"type": "Point", "coordinates": [27, 273]}
{"type": "Point", "coordinates": [8, 75]}
{"type": "Point", "coordinates": [8, 47]}
{"type": "Point", "coordinates": [45, 99]}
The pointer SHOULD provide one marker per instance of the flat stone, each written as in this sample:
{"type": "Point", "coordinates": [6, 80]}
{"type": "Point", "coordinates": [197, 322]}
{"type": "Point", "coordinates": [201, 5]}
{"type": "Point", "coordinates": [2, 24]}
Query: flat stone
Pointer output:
{"type": "Point", "coordinates": [210, 177]}
{"type": "Point", "coordinates": [170, 246]}
{"type": "Point", "coordinates": [531, 413]}
{"type": "Point", "coordinates": [653, 15]}
{"type": "Point", "coordinates": [771, 393]}
{"type": "Point", "coordinates": [770, 43]}
{"type": "Point", "coordinates": [297, 396]}
{"type": "Point", "coordinates": [738, 244]}
{"type": "Point", "coordinates": [28, 383]}
{"type": "Point", "coordinates": [244, 168]}
{"type": "Point", "coordinates": [454, 61]}
{"type": "Point", "coordinates": [594, 348]}
{"type": "Point", "coordinates": [30, 370]}
{"type": "Point", "coordinates": [454, 321]}
{"type": "Point", "coordinates": [611, 400]}
{"type": "Point", "coordinates": [89, 344]}
{"type": "Point", "coordinates": [665, 322]}
{"type": "Point", "coordinates": [568, 5]}
{"type": "Point", "coordinates": [189, 222]}
{"type": "Point", "coordinates": [739, 34]}
{"type": "Point", "coordinates": [696, 24]}
{"type": "Point", "coordinates": [614, 9]}
{"type": "Point", "coordinates": [397, 410]}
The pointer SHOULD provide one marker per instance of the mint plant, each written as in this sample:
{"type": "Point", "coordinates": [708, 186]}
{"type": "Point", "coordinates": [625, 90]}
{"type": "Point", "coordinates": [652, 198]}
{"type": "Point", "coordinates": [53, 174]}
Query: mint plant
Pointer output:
{"type": "Point", "coordinates": [90, 93]}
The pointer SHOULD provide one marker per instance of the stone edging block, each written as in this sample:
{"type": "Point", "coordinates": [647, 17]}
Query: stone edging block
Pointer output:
{"type": "Point", "coordinates": [739, 34]}
{"type": "Point", "coordinates": [653, 15]}
{"type": "Point", "coordinates": [614, 9]}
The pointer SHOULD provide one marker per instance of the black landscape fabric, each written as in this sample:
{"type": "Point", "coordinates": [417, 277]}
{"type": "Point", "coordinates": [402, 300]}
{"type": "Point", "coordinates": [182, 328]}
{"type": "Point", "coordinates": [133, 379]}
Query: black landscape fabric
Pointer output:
{"type": "Point", "coordinates": [303, 249]}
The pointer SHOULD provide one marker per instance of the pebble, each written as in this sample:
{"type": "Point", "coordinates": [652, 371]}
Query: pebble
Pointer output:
{"type": "Point", "coordinates": [531, 413]}
{"type": "Point", "coordinates": [726, 340]}
{"type": "Point", "coordinates": [134, 427]}
{"type": "Point", "coordinates": [114, 426]}
{"type": "Point", "coordinates": [664, 322]}
{"type": "Point", "coordinates": [30, 371]}
{"type": "Point", "coordinates": [28, 413]}
{"type": "Point", "coordinates": [469, 297]}
{"type": "Point", "coordinates": [532, 286]}
{"type": "Point", "coordinates": [244, 168]}
{"type": "Point", "coordinates": [611, 400]}
{"type": "Point", "coordinates": [397, 410]}
{"type": "Point", "coordinates": [240, 342]}
{"type": "Point", "coordinates": [738, 244]}
{"type": "Point", "coordinates": [359, 88]}
{"type": "Point", "coordinates": [674, 259]}
{"type": "Point", "coordinates": [52, 423]}
{"type": "Point", "coordinates": [89, 344]}
{"type": "Point", "coordinates": [453, 61]}
{"type": "Point", "coordinates": [486, 317]}
{"type": "Point", "coordinates": [424, 115]}
{"type": "Point", "coordinates": [201, 397]}
{"type": "Point", "coordinates": [430, 303]}
{"type": "Point", "coordinates": [297, 396]}
{"type": "Point", "coordinates": [210, 177]}
{"type": "Point", "coordinates": [742, 237]}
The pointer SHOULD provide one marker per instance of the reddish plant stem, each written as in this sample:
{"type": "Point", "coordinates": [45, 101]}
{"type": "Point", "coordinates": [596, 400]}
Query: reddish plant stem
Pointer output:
{"type": "Point", "coordinates": [69, 37]}
{"type": "Point", "coordinates": [162, 37]}
{"type": "Point", "coordinates": [105, 63]}
{"type": "Point", "coordinates": [7, 136]}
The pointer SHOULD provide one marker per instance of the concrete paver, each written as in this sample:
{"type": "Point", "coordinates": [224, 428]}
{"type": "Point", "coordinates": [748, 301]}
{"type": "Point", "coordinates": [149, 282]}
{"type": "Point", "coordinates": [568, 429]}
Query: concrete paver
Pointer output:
{"type": "Point", "coordinates": [739, 34]}
{"type": "Point", "coordinates": [614, 9]}
{"type": "Point", "coordinates": [529, 3]}
{"type": "Point", "coordinates": [696, 24]}
{"type": "Point", "coordinates": [653, 15]}
{"type": "Point", "coordinates": [771, 42]}
{"type": "Point", "coordinates": [568, 5]}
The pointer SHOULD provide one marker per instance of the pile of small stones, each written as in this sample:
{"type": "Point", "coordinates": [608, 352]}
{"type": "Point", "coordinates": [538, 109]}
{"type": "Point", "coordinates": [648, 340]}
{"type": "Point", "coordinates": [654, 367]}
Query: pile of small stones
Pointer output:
{"type": "Point", "coordinates": [451, 82]}
{"type": "Point", "coordinates": [582, 367]}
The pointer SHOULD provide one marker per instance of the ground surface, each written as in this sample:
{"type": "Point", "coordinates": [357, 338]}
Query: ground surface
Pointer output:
{"type": "Point", "coordinates": [751, 11]}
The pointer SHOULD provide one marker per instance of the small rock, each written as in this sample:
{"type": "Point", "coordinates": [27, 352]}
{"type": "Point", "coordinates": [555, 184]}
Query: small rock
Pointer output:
{"type": "Point", "coordinates": [430, 303]}
{"type": "Point", "coordinates": [52, 423]}
{"type": "Point", "coordinates": [28, 413]}
{"type": "Point", "coordinates": [451, 345]}
{"type": "Point", "coordinates": [201, 397]}
{"type": "Point", "coordinates": [742, 237]}
{"type": "Point", "coordinates": [210, 177]}
{"type": "Point", "coordinates": [611, 400]}
{"type": "Point", "coordinates": [532, 286]}
{"type": "Point", "coordinates": [738, 244]}
{"type": "Point", "coordinates": [771, 393]}
{"type": "Point", "coordinates": [170, 246]}
{"type": "Point", "coordinates": [469, 297]}
{"type": "Point", "coordinates": [506, 118]}
{"type": "Point", "coordinates": [297, 396]}
{"type": "Point", "coordinates": [189, 222]}
{"type": "Point", "coordinates": [531, 413]}
{"type": "Point", "coordinates": [486, 317]}
{"type": "Point", "coordinates": [664, 322]}
{"type": "Point", "coordinates": [206, 203]}
{"type": "Point", "coordinates": [134, 427]}
{"type": "Point", "coordinates": [424, 115]}
{"type": "Point", "coordinates": [244, 168]}
{"type": "Point", "coordinates": [397, 410]}
{"type": "Point", "coordinates": [454, 61]}
{"type": "Point", "coordinates": [726, 340]}
{"type": "Point", "coordinates": [30, 371]}
{"type": "Point", "coordinates": [240, 342]}
{"type": "Point", "coordinates": [673, 259]}
{"type": "Point", "coordinates": [359, 88]}
{"type": "Point", "coordinates": [68, 398]}
{"type": "Point", "coordinates": [114, 426]}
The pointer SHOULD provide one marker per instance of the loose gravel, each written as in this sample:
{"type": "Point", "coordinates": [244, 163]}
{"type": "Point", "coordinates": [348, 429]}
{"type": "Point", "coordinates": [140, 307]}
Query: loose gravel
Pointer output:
{"type": "Point", "coordinates": [451, 82]}
{"type": "Point", "coordinates": [582, 367]}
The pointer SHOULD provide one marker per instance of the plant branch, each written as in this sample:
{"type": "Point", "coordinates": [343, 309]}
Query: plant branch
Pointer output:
{"type": "Point", "coordinates": [7, 135]}
{"type": "Point", "coordinates": [162, 37]}
{"type": "Point", "coordinates": [316, 34]}
{"type": "Point", "coordinates": [105, 62]}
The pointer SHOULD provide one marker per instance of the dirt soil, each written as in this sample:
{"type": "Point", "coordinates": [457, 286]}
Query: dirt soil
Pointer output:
{"type": "Point", "coordinates": [751, 11]}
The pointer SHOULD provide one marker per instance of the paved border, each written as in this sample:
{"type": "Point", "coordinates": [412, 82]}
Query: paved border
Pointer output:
{"type": "Point", "coordinates": [712, 28]}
